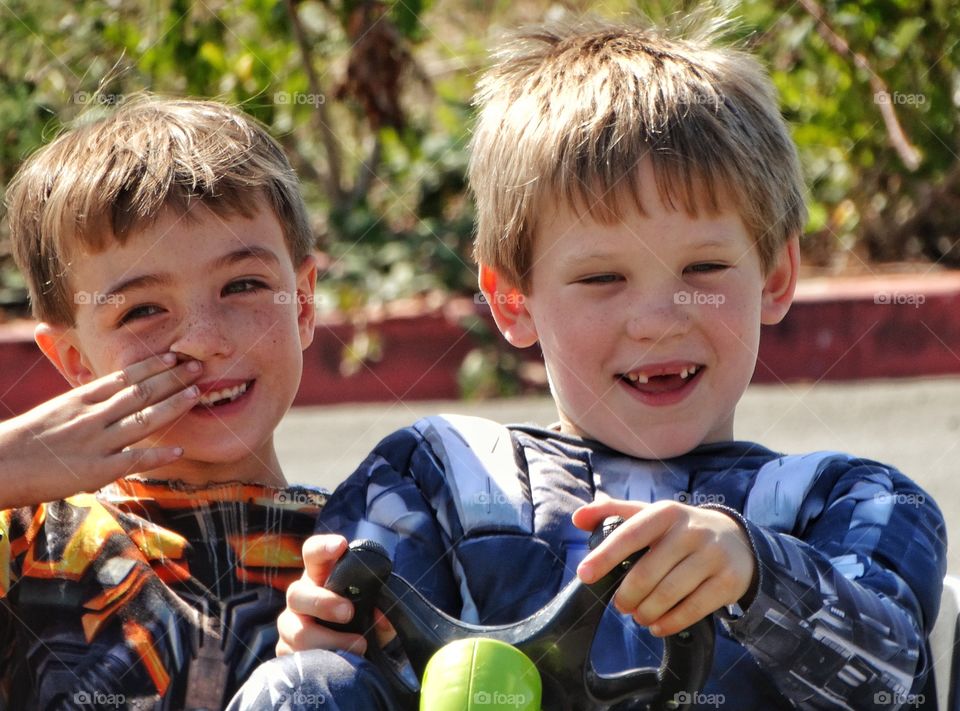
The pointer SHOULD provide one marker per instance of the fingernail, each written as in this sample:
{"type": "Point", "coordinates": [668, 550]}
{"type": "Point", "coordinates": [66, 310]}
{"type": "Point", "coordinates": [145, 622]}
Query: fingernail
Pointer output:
{"type": "Point", "coordinates": [656, 630]}
{"type": "Point", "coordinates": [332, 547]}
{"type": "Point", "coordinates": [193, 366]}
{"type": "Point", "coordinates": [192, 392]}
{"type": "Point", "coordinates": [585, 572]}
{"type": "Point", "coordinates": [169, 358]}
{"type": "Point", "coordinates": [343, 612]}
{"type": "Point", "coordinates": [178, 451]}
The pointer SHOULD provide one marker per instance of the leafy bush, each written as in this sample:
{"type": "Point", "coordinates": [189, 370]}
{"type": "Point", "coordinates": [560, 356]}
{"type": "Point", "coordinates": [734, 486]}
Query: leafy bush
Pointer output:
{"type": "Point", "coordinates": [371, 101]}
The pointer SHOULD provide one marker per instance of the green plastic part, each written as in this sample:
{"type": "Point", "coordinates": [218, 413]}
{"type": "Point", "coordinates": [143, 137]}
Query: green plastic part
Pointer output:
{"type": "Point", "coordinates": [480, 675]}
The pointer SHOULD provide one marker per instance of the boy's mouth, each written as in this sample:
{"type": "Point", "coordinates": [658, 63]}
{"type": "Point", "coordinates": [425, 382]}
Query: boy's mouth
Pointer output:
{"type": "Point", "coordinates": [224, 394]}
{"type": "Point", "coordinates": [665, 379]}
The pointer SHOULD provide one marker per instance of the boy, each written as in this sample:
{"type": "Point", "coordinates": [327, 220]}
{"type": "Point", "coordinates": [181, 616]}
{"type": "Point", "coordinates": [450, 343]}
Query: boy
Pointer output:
{"type": "Point", "coordinates": [639, 205]}
{"type": "Point", "coordinates": [163, 246]}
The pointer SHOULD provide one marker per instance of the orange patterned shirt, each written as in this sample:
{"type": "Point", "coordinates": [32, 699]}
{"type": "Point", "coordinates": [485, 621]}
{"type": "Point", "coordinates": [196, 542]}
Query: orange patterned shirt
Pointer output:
{"type": "Point", "coordinates": [147, 594]}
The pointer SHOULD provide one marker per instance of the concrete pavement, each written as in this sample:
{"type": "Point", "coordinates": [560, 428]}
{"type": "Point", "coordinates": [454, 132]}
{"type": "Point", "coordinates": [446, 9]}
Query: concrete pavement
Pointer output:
{"type": "Point", "coordinates": [913, 424]}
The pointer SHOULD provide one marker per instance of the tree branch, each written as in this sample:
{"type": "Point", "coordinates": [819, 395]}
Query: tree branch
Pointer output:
{"type": "Point", "coordinates": [321, 119]}
{"type": "Point", "coordinates": [881, 95]}
{"type": "Point", "coordinates": [368, 171]}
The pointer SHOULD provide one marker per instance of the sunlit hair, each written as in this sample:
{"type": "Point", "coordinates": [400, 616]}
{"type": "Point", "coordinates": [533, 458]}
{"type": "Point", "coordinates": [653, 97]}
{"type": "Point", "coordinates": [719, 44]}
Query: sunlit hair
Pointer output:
{"type": "Point", "coordinates": [568, 111]}
{"type": "Point", "coordinates": [99, 183]}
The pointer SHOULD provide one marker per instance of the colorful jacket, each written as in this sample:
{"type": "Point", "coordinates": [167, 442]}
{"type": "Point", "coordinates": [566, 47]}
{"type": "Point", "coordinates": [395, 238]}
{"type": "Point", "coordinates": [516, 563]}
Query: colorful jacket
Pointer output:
{"type": "Point", "coordinates": [147, 595]}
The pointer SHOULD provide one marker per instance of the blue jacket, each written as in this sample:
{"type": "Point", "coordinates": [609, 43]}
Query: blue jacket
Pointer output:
{"type": "Point", "coordinates": [851, 553]}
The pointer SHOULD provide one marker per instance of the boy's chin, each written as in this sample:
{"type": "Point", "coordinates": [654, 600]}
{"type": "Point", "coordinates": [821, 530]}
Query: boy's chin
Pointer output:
{"type": "Point", "coordinates": [659, 445]}
{"type": "Point", "coordinates": [212, 463]}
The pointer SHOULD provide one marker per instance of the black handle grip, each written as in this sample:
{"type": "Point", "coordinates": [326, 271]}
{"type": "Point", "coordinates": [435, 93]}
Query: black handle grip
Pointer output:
{"type": "Point", "coordinates": [558, 637]}
{"type": "Point", "coordinates": [358, 576]}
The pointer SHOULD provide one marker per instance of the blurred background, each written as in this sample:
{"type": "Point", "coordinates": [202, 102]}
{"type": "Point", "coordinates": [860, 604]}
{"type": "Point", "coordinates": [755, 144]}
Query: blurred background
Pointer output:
{"type": "Point", "coordinates": [372, 102]}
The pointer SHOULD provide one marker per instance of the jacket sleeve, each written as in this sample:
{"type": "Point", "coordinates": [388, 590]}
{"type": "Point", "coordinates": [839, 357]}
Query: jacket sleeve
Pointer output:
{"type": "Point", "coordinates": [846, 599]}
{"type": "Point", "coordinates": [397, 498]}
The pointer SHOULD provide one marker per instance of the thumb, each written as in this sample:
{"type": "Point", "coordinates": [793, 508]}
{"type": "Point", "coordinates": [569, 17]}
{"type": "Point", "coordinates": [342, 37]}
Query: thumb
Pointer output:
{"type": "Point", "coordinates": [320, 554]}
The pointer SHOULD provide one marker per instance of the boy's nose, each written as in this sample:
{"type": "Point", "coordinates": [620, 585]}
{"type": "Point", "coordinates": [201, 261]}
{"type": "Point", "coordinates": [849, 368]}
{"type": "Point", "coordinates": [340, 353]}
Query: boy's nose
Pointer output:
{"type": "Point", "coordinates": [658, 316]}
{"type": "Point", "coordinates": [203, 335]}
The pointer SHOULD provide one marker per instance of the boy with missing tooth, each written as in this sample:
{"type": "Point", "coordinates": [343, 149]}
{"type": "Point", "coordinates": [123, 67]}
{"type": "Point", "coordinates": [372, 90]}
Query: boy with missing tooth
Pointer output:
{"type": "Point", "coordinates": [167, 251]}
{"type": "Point", "coordinates": [639, 205]}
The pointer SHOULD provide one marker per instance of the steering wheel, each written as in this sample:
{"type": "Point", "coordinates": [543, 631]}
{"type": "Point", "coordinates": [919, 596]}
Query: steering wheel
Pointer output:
{"type": "Point", "coordinates": [557, 637]}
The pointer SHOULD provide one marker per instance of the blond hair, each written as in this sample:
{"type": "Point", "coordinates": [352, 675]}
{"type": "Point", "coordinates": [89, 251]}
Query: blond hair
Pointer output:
{"type": "Point", "coordinates": [99, 183]}
{"type": "Point", "coordinates": [568, 112]}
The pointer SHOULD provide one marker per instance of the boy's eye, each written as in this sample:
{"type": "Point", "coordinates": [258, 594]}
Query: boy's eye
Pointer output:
{"type": "Point", "coordinates": [707, 267]}
{"type": "Point", "coordinates": [241, 285]}
{"type": "Point", "coordinates": [600, 279]}
{"type": "Point", "coordinates": [139, 312]}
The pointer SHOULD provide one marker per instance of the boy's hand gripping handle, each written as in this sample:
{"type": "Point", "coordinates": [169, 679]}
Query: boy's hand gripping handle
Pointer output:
{"type": "Point", "coordinates": [558, 637]}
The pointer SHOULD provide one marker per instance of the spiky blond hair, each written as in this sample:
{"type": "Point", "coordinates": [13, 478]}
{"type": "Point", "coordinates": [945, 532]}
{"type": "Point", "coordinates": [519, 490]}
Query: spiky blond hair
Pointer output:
{"type": "Point", "coordinates": [98, 183]}
{"type": "Point", "coordinates": [569, 110]}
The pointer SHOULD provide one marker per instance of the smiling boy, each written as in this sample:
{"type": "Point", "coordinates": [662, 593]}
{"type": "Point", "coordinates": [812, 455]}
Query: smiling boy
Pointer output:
{"type": "Point", "coordinates": [648, 324]}
{"type": "Point", "coordinates": [639, 204]}
{"type": "Point", "coordinates": [213, 300]}
{"type": "Point", "coordinates": [167, 251]}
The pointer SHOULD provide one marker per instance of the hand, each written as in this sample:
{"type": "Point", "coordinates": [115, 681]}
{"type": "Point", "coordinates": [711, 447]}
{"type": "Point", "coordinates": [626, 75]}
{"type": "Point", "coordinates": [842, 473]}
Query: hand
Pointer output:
{"type": "Point", "coordinates": [699, 560]}
{"type": "Point", "coordinates": [309, 604]}
{"type": "Point", "coordinates": [79, 441]}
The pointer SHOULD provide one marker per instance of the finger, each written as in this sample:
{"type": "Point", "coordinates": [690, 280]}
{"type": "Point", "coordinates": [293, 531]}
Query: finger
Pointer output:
{"type": "Point", "coordinates": [648, 574]}
{"type": "Point", "coordinates": [109, 385]}
{"type": "Point", "coordinates": [141, 423]}
{"type": "Point", "coordinates": [306, 598]}
{"type": "Point", "coordinates": [694, 607]}
{"type": "Point", "coordinates": [134, 461]}
{"type": "Point", "coordinates": [320, 554]}
{"type": "Point", "coordinates": [591, 515]}
{"type": "Point", "coordinates": [655, 598]}
{"type": "Point", "coordinates": [634, 534]}
{"type": "Point", "coordinates": [383, 629]}
{"type": "Point", "coordinates": [299, 633]}
{"type": "Point", "coordinates": [151, 390]}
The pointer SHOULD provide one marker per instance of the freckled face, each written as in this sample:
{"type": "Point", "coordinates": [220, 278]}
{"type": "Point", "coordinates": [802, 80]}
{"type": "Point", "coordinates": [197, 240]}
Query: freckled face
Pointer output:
{"type": "Point", "coordinates": [650, 327]}
{"type": "Point", "coordinates": [220, 290]}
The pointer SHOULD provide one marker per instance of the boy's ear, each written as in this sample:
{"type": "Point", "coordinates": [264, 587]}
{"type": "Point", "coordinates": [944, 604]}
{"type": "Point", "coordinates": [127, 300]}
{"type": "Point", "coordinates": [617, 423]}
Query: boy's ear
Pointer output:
{"type": "Point", "coordinates": [508, 306]}
{"type": "Point", "coordinates": [781, 283]}
{"type": "Point", "coordinates": [306, 279]}
{"type": "Point", "coordinates": [59, 344]}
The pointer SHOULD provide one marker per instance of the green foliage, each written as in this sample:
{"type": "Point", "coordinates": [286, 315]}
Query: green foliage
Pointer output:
{"type": "Point", "coordinates": [387, 190]}
{"type": "Point", "coordinates": [865, 199]}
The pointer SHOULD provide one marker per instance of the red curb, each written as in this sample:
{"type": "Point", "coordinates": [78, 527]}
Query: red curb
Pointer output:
{"type": "Point", "coordinates": [861, 328]}
{"type": "Point", "coordinates": [837, 329]}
